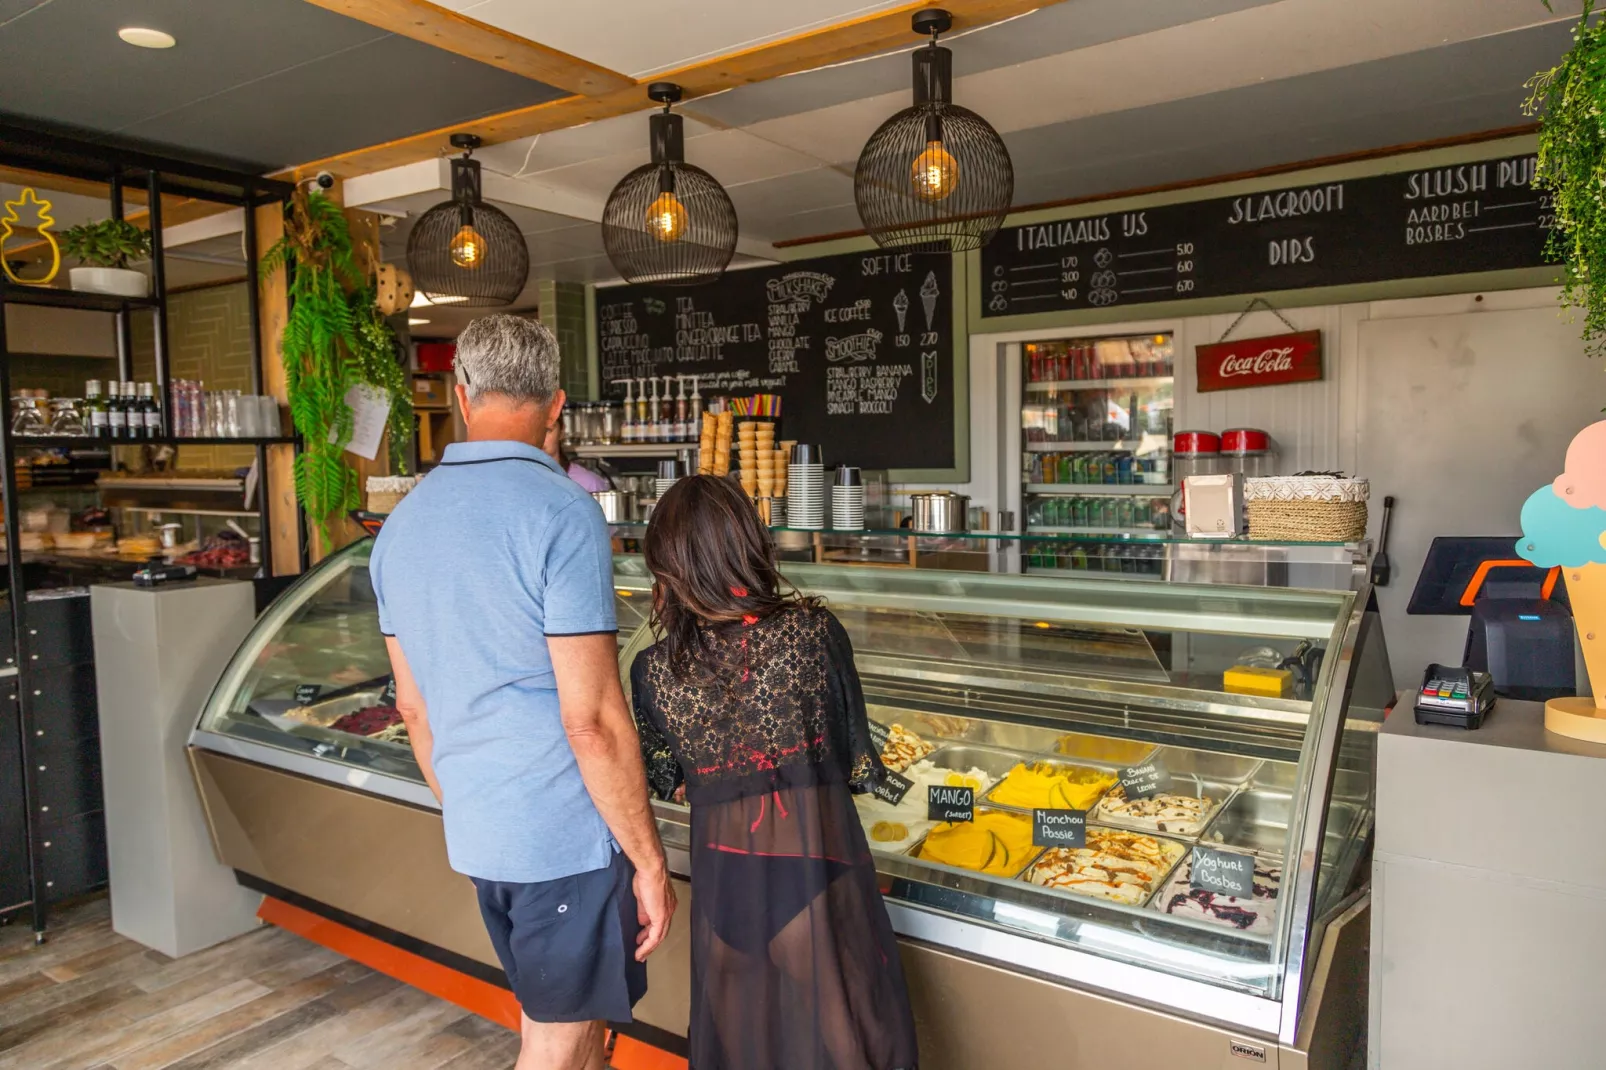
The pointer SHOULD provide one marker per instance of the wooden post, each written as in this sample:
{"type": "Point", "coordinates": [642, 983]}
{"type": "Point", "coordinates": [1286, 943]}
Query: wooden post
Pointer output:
{"type": "Point", "coordinates": [278, 482]}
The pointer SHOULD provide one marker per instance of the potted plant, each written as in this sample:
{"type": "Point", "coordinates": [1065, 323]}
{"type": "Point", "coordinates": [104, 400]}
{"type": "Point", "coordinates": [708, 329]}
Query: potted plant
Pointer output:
{"type": "Point", "coordinates": [106, 248]}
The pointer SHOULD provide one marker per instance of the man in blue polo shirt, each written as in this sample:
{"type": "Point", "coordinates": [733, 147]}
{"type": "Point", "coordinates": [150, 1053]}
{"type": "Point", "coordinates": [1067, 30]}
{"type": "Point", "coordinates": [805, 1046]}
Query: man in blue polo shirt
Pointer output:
{"type": "Point", "coordinates": [495, 587]}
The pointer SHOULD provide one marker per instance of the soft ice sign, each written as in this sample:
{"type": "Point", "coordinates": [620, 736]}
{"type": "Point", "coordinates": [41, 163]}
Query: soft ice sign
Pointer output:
{"type": "Point", "coordinates": [1564, 526]}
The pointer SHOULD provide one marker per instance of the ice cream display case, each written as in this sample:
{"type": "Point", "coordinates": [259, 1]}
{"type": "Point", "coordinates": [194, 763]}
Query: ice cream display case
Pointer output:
{"type": "Point", "coordinates": [1116, 758]}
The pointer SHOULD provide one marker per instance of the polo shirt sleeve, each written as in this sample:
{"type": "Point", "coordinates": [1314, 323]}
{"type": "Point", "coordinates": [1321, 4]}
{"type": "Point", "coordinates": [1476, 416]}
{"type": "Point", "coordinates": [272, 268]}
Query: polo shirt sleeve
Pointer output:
{"type": "Point", "coordinates": [577, 596]}
{"type": "Point", "coordinates": [374, 556]}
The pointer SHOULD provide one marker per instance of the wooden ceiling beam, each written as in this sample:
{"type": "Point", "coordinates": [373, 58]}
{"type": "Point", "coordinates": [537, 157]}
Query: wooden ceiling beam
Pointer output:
{"type": "Point", "coordinates": [472, 39]}
{"type": "Point", "coordinates": [854, 39]}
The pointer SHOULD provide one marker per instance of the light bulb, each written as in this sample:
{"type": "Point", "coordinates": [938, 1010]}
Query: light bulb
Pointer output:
{"type": "Point", "coordinates": [666, 218]}
{"type": "Point", "coordinates": [468, 248]}
{"type": "Point", "coordinates": [935, 173]}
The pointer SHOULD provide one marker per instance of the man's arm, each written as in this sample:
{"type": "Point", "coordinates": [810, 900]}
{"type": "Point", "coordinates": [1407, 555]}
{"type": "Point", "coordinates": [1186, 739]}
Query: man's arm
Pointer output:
{"type": "Point", "coordinates": [410, 701]}
{"type": "Point", "coordinates": [603, 735]}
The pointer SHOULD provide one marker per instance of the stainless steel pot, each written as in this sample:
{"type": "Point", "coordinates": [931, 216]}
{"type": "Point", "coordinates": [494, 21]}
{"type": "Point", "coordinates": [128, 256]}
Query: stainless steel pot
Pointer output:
{"type": "Point", "coordinates": [615, 505]}
{"type": "Point", "coordinates": [941, 512]}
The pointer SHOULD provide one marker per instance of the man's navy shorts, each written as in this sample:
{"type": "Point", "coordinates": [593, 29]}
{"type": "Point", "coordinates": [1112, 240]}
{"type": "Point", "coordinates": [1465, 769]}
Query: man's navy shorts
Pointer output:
{"type": "Point", "coordinates": [569, 945]}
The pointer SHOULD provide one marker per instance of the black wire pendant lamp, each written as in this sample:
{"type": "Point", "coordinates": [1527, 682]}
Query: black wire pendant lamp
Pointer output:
{"type": "Point", "coordinates": [464, 248]}
{"type": "Point", "coordinates": [668, 221]}
{"type": "Point", "coordinates": [935, 177]}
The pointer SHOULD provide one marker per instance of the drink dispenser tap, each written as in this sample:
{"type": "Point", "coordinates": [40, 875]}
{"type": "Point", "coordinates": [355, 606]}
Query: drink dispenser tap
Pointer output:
{"type": "Point", "coordinates": [643, 428]}
{"type": "Point", "coordinates": [655, 427]}
{"type": "Point", "coordinates": [682, 425]}
{"type": "Point", "coordinates": [694, 420]}
{"type": "Point", "coordinates": [666, 411]}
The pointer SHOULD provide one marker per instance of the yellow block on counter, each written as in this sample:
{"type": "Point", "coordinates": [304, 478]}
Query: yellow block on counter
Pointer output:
{"type": "Point", "coordinates": [1249, 680]}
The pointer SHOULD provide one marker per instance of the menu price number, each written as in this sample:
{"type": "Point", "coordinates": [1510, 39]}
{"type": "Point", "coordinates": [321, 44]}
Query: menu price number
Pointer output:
{"type": "Point", "coordinates": [1223, 872]}
{"type": "Point", "coordinates": [307, 693]}
{"type": "Point", "coordinates": [950, 804]}
{"type": "Point", "coordinates": [892, 788]}
{"type": "Point", "coordinates": [1145, 781]}
{"type": "Point", "coordinates": [1059, 828]}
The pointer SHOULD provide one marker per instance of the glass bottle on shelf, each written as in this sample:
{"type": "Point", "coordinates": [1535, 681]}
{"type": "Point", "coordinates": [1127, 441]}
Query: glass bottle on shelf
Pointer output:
{"type": "Point", "coordinates": [94, 410]}
{"type": "Point", "coordinates": [116, 413]}
{"type": "Point", "coordinates": [150, 412]}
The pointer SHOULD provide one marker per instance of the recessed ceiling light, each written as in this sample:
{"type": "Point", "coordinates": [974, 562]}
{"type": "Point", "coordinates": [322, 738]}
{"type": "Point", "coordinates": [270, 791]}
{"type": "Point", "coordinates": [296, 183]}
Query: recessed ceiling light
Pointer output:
{"type": "Point", "coordinates": [143, 37]}
{"type": "Point", "coordinates": [420, 301]}
{"type": "Point", "coordinates": [416, 321]}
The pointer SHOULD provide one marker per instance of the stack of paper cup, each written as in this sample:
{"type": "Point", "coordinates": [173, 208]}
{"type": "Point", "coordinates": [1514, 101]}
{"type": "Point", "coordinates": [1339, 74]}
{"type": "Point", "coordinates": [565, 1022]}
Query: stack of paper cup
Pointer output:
{"type": "Point", "coordinates": [669, 473]}
{"type": "Point", "coordinates": [805, 488]}
{"type": "Point", "coordinates": [847, 500]}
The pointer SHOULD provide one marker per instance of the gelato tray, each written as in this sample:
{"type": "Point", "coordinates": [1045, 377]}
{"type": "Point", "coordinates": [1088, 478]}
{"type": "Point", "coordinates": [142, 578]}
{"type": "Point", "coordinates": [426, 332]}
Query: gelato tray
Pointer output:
{"type": "Point", "coordinates": [903, 748]}
{"type": "Point", "coordinates": [1120, 866]}
{"type": "Point", "coordinates": [1254, 916]}
{"type": "Point", "coordinates": [1207, 764]}
{"type": "Point", "coordinates": [996, 843]}
{"type": "Point", "coordinates": [1092, 748]}
{"type": "Point", "coordinates": [1257, 820]}
{"type": "Point", "coordinates": [1051, 785]}
{"type": "Point", "coordinates": [896, 828]}
{"type": "Point", "coordinates": [1183, 810]}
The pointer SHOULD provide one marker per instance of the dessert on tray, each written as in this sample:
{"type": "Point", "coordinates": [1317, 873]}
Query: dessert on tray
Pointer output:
{"type": "Point", "coordinates": [1058, 787]}
{"type": "Point", "coordinates": [1180, 815]}
{"type": "Point", "coordinates": [897, 827]}
{"type": "Point", "coordinates": [903, 749]}
{"type": "Point", "coordinates": [1124, 867]}
{"type": "Point", "coordinates": [995, 842]}
{"type": "Point", "coordinates": [1102, 748]}
{"type": "Point", "coordinates": [1254, 916]}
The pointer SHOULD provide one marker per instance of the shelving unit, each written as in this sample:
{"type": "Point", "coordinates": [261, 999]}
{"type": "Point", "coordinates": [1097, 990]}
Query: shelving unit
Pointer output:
{"type": "Point", "coordinates": [1061, 385]}
{"type": "Point", "coordinates": [635, 449]}
{"type": "Point", "coordinates": [1143, 490]}
{"type": "Point", "coordinates": [48, 679]}
{"type": "Point", "coordinates": [1119, 445]}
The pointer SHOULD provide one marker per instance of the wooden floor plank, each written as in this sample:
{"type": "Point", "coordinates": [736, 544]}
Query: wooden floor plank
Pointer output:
{"type": "Point", "coordinates": [89, 999]}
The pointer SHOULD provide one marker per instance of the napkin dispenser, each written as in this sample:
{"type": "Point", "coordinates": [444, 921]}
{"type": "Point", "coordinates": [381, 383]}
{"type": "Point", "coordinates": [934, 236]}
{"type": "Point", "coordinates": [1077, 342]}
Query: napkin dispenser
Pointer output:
{"type": "Point", "coordinates": [1214, 505]}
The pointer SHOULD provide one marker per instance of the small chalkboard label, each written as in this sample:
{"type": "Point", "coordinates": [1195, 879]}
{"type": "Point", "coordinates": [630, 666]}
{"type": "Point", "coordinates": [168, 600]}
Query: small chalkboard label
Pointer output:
{"type": "Point", "coordinates": [388, 696]}
{"type": "Point", "coordinates": [1144, 781]}
{"type": "Point", "coordinates": [892, 789]}
{"type": "Point", "coordinates": [1059, 828]}
{"type": "Point", "coordinates": [879, 733]}
{"type": "Point", "coordinates": [950, 804]}
{"type": "Point", "coordinates": [305, 693]}
{"type": "Point", "coordinates": [1223, 872]}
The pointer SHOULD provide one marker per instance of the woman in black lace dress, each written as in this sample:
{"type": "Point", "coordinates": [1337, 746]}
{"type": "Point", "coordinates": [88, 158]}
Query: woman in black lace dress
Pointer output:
{"type": "Point", "coordinates": [751, 699]}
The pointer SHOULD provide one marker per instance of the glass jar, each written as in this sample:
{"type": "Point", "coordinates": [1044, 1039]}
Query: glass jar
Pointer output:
{"type": "Point", "coordinates": [29, 415]}
{"type": "Point", "coordinates": [608, 421]}
{"type": "Point", "coordinates": [1248, 452]}
{"type": "Point", "coordinates": [66, 418]}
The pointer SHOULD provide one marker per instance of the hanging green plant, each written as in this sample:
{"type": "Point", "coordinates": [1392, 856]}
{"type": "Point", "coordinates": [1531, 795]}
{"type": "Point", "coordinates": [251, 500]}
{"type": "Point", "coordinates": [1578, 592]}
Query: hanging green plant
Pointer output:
{"type": "Point", "coordinates": [1570, 100]}
{"type": "Point", "coordinates": [333, 339]}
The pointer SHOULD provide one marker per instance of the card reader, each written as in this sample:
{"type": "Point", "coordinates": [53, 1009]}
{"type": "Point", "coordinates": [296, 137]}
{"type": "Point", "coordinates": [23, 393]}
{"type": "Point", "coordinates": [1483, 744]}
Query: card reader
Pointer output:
{"type": "Point", "coordinates": [1451, 695]}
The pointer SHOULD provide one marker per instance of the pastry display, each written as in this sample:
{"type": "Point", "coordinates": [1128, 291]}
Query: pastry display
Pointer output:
{"type": "Point", "coordinates": [903, 748]}
{"type": "Point", "coordinates": [1102, 748]}
{"type": "Point", "coordinates": [1254, 916]}
{"type": "Point", "coordinates": [1180, 815]}
{"type": "Point", "coordinates": [368, 721]}
{"type": "Point", "coordinates": [1051, 786]}
{"type": "Point", "coordinates": [901, 825]}
{"type": "Point", "coordinates": [996, 843]}
{"type": "Point", "coordinates": [1124, 867]}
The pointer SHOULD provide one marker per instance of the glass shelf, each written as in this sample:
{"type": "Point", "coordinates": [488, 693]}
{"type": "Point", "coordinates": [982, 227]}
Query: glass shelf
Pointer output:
{"type": "Point", "coordinates": [1098, 384]}
{"type": "Point", "coordinates": [1152, 490]}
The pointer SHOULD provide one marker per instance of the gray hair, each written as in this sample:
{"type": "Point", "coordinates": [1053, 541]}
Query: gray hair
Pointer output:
{"type": "Point", "coordinates": [508, 355]}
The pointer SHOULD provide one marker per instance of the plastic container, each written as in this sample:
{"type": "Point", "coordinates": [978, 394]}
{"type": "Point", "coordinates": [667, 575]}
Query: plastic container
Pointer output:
{"type": "Point", "coordinates": [1248, 452]}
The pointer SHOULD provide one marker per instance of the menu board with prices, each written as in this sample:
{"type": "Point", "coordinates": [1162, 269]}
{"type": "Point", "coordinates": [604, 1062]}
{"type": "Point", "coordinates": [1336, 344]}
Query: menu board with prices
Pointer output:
{"type": "Point", "coordinates": [1480, 216]}
{"type": "Point", "coordinates": [859, 346]}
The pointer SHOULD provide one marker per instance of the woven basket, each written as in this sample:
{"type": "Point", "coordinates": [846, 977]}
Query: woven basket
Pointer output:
{"type": "Point", "coordinates": [1307, 508]}
{"type": "Point", "coordinates": [385, 492]}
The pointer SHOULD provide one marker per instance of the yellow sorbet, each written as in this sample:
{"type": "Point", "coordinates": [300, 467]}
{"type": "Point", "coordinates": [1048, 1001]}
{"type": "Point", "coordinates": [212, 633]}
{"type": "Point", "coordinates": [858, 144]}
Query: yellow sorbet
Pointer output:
{"type": "Point", "coordinates": [995, 843]}
{"type": "Point", "coordinates": [1052, 787]}
{"type": "Point", "coordinates": [1102, 748]}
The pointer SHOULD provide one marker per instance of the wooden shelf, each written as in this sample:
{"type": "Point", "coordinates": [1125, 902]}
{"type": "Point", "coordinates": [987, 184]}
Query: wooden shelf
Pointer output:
{"type": "Point", "coordinates": [635, 449]}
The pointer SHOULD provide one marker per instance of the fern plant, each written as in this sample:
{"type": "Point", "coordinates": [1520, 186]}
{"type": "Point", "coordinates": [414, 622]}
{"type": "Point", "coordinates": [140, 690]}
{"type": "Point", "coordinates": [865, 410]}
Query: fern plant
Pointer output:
{"type": "Point", "coordinates": [1570, 100]}
{"type": "Point", "coordinates": [333, 339]}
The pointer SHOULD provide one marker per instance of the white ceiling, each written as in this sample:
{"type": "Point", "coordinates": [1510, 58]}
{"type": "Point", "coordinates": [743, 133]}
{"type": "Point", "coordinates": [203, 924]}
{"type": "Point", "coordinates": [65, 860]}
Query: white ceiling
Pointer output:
{"type": "Point", "coordinates": [645, 37]}
{"type": "Point", "coordinates": [1092, 96]}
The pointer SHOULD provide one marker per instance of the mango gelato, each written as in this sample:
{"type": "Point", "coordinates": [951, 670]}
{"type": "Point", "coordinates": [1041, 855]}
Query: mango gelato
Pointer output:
{"type": "Point", "coordinates": [996, 843]}
{"type": "Point", "coordinates": [1056, 787]}
{"type": "Point", "coordinates": [889, 827]}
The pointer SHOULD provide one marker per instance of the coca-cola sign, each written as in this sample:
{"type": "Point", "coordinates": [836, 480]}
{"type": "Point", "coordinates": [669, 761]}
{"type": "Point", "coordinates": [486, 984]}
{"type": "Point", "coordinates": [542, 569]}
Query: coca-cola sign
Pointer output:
{"type": "Point", "coordinates": [1271, 361]}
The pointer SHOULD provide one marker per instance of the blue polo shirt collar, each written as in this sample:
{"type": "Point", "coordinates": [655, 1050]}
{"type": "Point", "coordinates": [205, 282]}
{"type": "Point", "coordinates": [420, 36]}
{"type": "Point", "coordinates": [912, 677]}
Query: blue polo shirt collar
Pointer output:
{"type": "Point", "coordinates": [496, 450]}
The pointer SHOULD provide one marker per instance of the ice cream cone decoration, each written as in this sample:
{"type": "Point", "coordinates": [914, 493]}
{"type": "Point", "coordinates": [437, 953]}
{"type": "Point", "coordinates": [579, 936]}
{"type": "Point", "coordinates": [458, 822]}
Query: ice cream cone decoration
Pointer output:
{"type": "Point", "coordinates": [1564, 525]}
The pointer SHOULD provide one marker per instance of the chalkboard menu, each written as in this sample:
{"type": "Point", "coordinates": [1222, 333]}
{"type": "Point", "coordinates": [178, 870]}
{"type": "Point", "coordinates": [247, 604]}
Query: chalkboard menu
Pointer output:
{"type": "Point", "coordinates": [1483, 216]}
{"type": "Point", "coordinates": [859, 346]}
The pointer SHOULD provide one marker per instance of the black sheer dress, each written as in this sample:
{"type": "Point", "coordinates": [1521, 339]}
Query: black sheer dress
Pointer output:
{"type": "Point", "coordinates": [794, 964]}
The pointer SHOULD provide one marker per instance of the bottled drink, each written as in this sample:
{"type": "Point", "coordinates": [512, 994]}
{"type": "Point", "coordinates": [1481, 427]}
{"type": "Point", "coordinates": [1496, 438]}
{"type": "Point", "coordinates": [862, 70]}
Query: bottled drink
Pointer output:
{"type": "Point", "coordinates": [95, 410]}
{"type": "Point", "coordinates": [150, 412]}
{"type": "Point", "coordinates": [116, 414]}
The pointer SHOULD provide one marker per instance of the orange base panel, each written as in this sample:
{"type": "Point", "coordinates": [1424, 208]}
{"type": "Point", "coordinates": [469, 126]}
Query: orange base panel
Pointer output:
{"type": "Point", "coordinates": [478, 997]}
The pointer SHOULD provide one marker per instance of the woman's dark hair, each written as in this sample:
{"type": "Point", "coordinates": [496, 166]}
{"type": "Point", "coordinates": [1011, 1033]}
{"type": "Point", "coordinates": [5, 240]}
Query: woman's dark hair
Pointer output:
{"type": "Point", "coordinates": [713, 564]}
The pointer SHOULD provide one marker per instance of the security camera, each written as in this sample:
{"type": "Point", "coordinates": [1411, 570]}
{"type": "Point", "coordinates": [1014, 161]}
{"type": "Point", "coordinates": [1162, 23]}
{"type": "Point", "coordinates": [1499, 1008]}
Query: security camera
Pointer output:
{"type": "Point", "coordinates": [325, 180]}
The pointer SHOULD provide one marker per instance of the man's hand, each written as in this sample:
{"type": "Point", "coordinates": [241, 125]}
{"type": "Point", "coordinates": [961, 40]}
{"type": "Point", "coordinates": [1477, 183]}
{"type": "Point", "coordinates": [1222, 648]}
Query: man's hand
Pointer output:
{"type": "Point", "coordinates": [655, 905]}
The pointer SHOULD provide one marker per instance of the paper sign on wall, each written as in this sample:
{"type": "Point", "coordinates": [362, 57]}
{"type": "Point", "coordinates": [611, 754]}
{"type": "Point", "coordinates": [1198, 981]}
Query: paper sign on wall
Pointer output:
{"type": "Point", "coordinates": [370, 408]}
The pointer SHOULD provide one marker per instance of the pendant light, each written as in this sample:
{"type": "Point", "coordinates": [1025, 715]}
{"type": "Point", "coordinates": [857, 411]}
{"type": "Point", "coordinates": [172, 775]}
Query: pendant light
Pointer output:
{"type": "Point", "coordinates": [464, 250]}
{"type": "Point", "coordinates": [668, 221]}
{"type": "Point", "coordinates": [935, 177]}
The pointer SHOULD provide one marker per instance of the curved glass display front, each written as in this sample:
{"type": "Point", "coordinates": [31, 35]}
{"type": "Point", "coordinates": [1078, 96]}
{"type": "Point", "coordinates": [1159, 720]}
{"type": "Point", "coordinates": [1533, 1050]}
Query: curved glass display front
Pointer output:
{"type": "Point", "coordinates": [1045, 697]}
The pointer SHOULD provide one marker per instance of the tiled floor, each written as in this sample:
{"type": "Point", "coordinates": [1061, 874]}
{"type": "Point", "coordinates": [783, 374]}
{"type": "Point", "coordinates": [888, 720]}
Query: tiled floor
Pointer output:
{"type": "Point", "coordinates": [90, 1000]}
